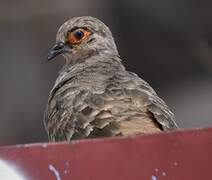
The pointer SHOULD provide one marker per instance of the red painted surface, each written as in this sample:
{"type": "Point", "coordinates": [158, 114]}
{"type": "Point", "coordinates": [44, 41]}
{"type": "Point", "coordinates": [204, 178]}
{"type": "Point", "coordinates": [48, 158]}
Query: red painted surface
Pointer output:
{"type": "Point", "coordinates": [182, 155]}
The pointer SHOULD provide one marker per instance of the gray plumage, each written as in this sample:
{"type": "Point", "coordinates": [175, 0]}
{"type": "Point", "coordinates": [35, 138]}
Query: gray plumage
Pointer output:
{"type": "Point", "coordinates": [94, 96]}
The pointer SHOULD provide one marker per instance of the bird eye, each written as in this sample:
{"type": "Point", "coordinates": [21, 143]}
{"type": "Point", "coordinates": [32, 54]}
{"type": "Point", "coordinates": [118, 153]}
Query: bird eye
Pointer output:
{"type": "Point", "coordinates": [77, 36]}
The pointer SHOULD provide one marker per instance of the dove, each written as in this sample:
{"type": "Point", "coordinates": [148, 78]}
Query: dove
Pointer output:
{"type": "Point", "coordinates": [94, 95]}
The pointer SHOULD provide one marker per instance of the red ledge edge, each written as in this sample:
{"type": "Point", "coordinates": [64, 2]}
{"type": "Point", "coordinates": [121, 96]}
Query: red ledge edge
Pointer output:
{"type": "Point", "coordinates": [182, 154]}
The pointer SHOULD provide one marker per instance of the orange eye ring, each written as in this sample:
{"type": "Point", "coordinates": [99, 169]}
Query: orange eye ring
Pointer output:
{"type": "Point", "coordinates": [77, 36]}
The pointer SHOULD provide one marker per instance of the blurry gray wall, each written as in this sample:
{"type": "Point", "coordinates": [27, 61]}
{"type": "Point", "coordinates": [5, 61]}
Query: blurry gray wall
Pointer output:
{"type": "Point", "coordinates": [168, 43]}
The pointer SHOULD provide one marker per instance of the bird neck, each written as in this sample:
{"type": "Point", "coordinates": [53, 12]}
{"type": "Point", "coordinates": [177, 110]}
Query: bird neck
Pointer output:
{"type": "Point", "coordinates": [84, 56]}
{"type": "Point", "coordinates": [96, 62]}
{"type": "Point", "coordinates": [95, 66]}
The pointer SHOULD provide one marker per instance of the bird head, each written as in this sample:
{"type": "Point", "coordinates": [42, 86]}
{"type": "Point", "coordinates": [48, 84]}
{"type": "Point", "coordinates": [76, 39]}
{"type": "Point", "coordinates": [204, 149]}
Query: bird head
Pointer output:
{"type": "Point", "coordinates": [82, 37]}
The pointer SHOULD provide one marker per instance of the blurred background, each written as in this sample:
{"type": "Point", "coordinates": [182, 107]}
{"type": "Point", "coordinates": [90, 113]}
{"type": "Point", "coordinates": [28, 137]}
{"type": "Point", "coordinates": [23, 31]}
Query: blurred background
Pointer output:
{"type": "Point", "coordinates": [168, 43]}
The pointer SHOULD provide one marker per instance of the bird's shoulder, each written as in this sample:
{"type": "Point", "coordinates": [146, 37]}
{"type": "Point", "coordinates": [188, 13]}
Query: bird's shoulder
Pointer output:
{"type": "Point", "coordinates": [142, 96]}
{"type": "Point", "coordinates": [153, 103]}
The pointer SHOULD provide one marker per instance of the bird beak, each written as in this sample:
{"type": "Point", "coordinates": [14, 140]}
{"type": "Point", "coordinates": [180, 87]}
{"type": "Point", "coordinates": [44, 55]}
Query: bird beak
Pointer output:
{"type": "Point", "coordinates": [57, 49]}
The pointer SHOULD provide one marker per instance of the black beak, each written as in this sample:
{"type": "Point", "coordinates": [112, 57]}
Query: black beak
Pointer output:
{"type": "Point", "coordinates": [56, 50]}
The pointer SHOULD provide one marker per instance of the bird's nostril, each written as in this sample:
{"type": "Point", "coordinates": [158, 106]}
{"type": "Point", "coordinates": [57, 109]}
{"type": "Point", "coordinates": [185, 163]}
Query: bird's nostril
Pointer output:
{"type": "Point", "coordinates": [59, 46]}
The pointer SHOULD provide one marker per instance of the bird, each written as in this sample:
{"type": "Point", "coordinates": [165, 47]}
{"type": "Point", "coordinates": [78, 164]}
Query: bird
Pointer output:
{"type": "Point", "coordinates": [94, 95]}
